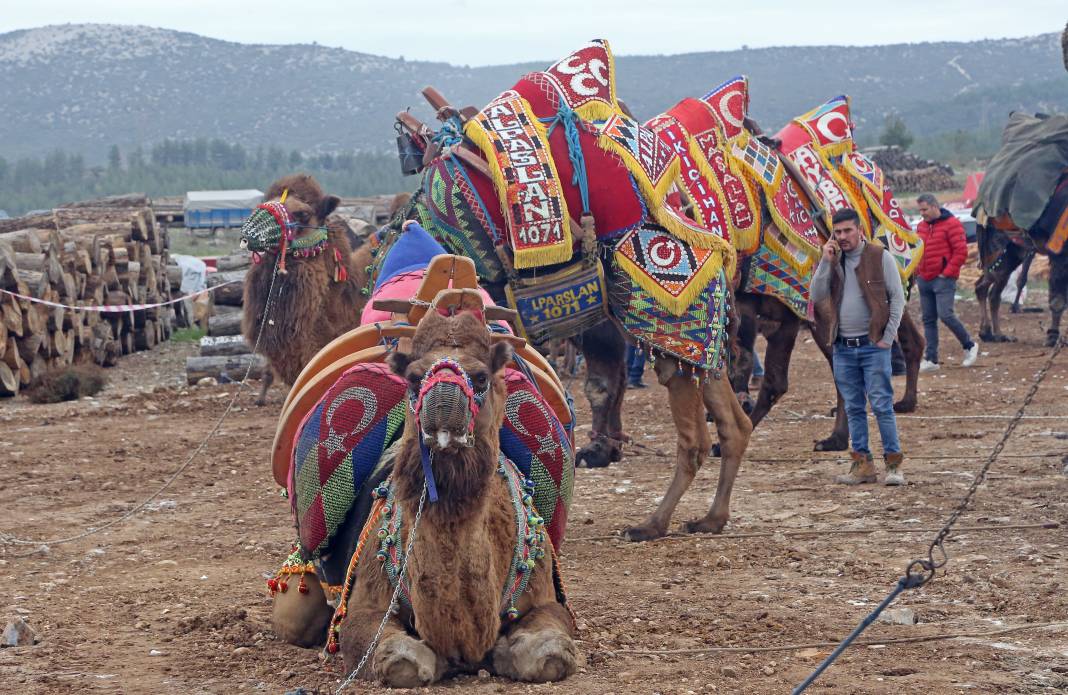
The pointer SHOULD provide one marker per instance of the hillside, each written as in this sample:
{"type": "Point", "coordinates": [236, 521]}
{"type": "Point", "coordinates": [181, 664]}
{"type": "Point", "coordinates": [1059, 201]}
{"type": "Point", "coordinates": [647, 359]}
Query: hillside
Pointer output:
{"type": "Point", "coordinates": [84, 87]}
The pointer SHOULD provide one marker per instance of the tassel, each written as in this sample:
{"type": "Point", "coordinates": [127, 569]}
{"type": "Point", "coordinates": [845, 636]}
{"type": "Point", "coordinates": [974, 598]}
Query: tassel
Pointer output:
{"type": "Point", "coordinates": [340, 273]}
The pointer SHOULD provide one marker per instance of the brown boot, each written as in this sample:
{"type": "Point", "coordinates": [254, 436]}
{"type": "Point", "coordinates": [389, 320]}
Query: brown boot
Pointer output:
{"type": "Point", "coordinates": [894, 476]}
{"type": "Point", "coordinates": [861, 471]}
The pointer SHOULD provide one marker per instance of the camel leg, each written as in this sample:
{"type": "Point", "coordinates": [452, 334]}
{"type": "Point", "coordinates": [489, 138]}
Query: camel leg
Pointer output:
{"type": "Point", "coordinates": [265, 384]}
{"type": "Point", "coordinates": [733, 429]}
{"type": "Point", "coordinates": [606, 378]}
{"type": "Point", "coordinates": [301, 619]}
{"type": "Point", "coordinates": [776, 367]}
{"type": "Point", "coordinates": [539, 647]}
{"type": "Point", "coordinates": [1021, 281]}
{"type": "Point", "coordinates": [692, 445]}
{"type": "Point", "coordinates": [839, 439]}
{"type": "Point", "coordinates": [982, 295]}
{"type": "Point", "coordinates": [1058, 296]}
{"type": "Point", "coordinates": [399, 660]}
{"type": "Point", "coordinates": [741, 367]}
{"type": "Point", "coordinates": [912, 344]}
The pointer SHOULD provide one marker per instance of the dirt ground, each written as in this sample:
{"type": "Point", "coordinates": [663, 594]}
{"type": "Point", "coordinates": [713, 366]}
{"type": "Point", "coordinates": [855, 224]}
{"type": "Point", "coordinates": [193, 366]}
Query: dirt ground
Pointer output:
{"type": "Point", "coordinates": [173, 600]}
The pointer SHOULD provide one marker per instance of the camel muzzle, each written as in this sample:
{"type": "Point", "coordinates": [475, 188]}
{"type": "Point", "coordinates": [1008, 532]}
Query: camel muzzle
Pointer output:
{"type": "Point", "coordinates": [445, 416]}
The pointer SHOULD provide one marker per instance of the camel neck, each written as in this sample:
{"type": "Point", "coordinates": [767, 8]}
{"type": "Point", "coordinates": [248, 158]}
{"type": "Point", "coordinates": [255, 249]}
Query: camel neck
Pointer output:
{"type": "Point", "coordinates": [462, 476]}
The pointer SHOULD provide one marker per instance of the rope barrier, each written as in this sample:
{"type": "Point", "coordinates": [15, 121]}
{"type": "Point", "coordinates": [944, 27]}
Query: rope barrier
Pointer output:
{"type": "Point", "coordinates": [816, 532]}
{"type": "Point", "coordinates": [824, 645]}
{"type": "Point", "coordinates": [8, 539]}
{"type": "Point", "coordinates": [118, 308]}
{"type": "Point", "coordinates": [920, 571]}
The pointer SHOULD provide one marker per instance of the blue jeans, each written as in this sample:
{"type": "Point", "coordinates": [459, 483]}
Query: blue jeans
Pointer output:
{"type": "Point", "coordinates": [758, 367]}
{"type": "Point", "coordinates": [635, 364]}
{"type": "Point", "coordinates": [936, 301]}
{"type": "Point", "coordinates": [862, 374]}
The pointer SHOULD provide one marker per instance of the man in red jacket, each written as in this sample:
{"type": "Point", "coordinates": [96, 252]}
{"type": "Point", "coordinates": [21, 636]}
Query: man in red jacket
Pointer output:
{"type": "Point", "coordinates": [944, 251]}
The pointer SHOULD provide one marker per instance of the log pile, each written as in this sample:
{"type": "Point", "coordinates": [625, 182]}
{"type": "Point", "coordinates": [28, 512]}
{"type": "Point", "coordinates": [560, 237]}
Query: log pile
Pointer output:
{"type": "Point", "coordinates": [224, 354]}
{"type": "Point", "coordinates": [109, 251]}
{"type": "Point", "coordinates": [907, 172]}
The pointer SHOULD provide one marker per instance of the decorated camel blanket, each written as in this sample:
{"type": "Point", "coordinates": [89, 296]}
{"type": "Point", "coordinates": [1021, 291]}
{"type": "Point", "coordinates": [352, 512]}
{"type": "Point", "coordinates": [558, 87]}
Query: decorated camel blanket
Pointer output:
{"type": "Point", "coordinates": [342, 438]}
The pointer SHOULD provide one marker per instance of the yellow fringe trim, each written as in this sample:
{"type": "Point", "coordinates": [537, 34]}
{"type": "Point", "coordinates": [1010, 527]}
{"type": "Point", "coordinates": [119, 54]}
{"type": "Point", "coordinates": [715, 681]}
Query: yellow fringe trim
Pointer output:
{"type": "Point", "coordinates": [654, 195]}
{"type": "Point", "coordinates": [558, 252]}
{"type": "Point", "coordinates": [910, 237]}
{"type": "Point", "coordinates": [676, 305]}
{"type": "Point", "coordinates": [776, 246]}
{"type": "Point", "coordinates": [846, 183]}
{"type": "Point", "coordinates": [744, 239]}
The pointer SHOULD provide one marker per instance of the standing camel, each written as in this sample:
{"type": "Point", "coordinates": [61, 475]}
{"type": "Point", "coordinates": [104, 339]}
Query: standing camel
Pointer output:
{"type": "Point", "coordinates": [462, 203]}
{"type": "Point", "coordinates": [318, 288]}
{"type": "Point", "coordinates": [1022, 208]}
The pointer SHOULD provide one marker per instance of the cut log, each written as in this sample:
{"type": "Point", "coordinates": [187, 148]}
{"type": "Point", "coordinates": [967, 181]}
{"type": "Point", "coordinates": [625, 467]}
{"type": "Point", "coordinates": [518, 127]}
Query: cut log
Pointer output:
{"type": "Point", "coordinates": [240, 261]}
{"type": "Point", "coordinates": [230, 294]}
{"type": "Point", "coordinates": [213, 346]}
{"type": "Point", "coordinates": [225, 324]}
{"type": "Point", "coordinates": [24, 240]}
{"type": "Point", "coordinates": [234, 367]}
{"type": "Point", "coordinates": [9, 381]}
{"type": "Point", "coordinates": [127, 200]}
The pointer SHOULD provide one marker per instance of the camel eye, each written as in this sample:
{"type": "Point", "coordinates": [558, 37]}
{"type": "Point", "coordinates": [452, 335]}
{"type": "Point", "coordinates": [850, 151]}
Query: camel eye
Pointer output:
{"type": "Point", "coordinates": [479, 380]}
{"type": "Point", "coordinates": [415, 379]}
{"type": "Point", "coordinates": [302, 216]}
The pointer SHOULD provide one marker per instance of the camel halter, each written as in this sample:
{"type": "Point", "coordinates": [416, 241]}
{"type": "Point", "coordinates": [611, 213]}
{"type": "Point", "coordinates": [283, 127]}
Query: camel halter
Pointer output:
{"type": "Point", "coordinates": [431, 399]}
{"type": "Point", "coordinates": [271, 226]}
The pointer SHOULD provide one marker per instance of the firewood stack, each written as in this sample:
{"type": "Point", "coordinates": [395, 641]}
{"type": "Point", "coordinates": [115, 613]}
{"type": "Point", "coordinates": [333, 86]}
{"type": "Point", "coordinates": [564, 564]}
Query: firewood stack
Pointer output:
{"type": "Point", "coordinates": [108, 251]}
{"type": "Point", "coordinates": [905, 172]}
{"type": "Point", "coordinates": [224, 354]}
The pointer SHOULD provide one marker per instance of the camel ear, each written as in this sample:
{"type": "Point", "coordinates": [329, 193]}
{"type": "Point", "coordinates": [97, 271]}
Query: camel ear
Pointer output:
{"type": "Point", "coordinates": [327, 205]}
{"type": "Point", "coordinates": [398, 363]}
{"type": "Point", "coordinates": [500, 355]}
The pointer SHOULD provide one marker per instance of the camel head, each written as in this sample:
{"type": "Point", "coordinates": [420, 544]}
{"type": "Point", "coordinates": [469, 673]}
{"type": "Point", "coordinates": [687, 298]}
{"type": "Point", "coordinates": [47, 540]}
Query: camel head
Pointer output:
{"type": "Point", "coordinates": [455, 380]}
{"type": "Point", "coordinates": [292, 220]}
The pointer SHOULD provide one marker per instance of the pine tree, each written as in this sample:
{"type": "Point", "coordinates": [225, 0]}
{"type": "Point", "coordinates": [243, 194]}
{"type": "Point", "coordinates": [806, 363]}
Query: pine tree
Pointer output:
{"type": "Point", "coordinates": [896, 133]}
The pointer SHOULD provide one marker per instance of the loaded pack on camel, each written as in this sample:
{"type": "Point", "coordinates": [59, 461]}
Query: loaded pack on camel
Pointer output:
{"type": "Point", "coordinates": [428, 459]}
{"type": "Point", "coordinates": [560, 198]}
{"type": "Point", "coordinates": [1022, 209]}
{"type": "Point", "coordinates": [304, 262]}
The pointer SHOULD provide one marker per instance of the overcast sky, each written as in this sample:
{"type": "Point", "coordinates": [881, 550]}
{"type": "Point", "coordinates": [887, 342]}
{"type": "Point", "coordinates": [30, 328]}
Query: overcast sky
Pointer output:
{"type": "Point", "coordinates": [476, 32]}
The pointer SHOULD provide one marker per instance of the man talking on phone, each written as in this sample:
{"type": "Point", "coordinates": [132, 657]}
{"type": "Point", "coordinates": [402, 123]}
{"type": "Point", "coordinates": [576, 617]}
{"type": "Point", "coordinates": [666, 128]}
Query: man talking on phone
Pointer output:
{"type": "Point", "coordinates": [857, 285]}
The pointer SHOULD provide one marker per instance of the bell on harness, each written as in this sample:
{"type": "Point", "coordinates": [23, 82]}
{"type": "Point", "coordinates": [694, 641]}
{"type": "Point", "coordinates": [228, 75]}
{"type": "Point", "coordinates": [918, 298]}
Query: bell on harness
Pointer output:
{"type": "Point", "coordinates": [411, 157]}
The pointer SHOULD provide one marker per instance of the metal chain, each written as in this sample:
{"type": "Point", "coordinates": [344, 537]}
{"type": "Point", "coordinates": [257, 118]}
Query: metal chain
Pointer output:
{"type": "Point", "coordinates": [929, 565]}
{"type": "Point", "coordinates": [8, 539]}
{"type": "Point", "coordinates": [393, 599]}
{"type": "Point", "coordinates": [922, 570]}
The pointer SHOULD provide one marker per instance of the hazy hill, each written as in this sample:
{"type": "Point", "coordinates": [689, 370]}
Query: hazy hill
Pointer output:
{"type": "Point", "coordinates": [83, 87]}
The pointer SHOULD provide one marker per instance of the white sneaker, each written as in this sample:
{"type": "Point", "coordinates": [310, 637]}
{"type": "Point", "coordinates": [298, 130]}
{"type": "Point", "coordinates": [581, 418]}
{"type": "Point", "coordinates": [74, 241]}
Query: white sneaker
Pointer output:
{"type": "Point", "coordinates": [970, 355]}
{"type": "Point", "coordinates": [926, 366]}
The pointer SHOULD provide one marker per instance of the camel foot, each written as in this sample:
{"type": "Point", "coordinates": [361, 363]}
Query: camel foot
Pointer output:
{"type": "Point", "coordinates": [260, 402]}
{"type": "Point", "coordinates": [715, 451]}
{"type": "Point", "coordinates": [597, 455]}
{"type": "Point", "coordinates": [832, 443]}
{"type": "Point", "coordinates": [744, 400]}
{"type": "Point", "coordinates": [404, 662]}
{"type": "Point", "coordinates": [538, 657]}
{"type": "Point", "coordinates": [645, 532]}
{"type": "Point", "coordinates": [991, 337]}
{"type": "Point", "coordinates": [905, 405]}
{"type": "Point", "coordinates": [301, 619]}
{"type": "Point", "coordinates": [705, 525]}
{"type": "Point", "coordinates": [1052, 337]}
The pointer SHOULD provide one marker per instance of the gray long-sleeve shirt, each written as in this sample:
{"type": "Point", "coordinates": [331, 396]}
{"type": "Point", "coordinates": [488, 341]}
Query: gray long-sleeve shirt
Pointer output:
{"type": "Point", "coordinates": [854, 317]}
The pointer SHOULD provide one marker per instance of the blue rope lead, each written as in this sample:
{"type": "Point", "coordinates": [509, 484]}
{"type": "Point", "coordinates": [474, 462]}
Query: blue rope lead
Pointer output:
{"type": "Point", "coordinates": [909, 581]}
{"type": "Point", "coordinates": [567, 116]}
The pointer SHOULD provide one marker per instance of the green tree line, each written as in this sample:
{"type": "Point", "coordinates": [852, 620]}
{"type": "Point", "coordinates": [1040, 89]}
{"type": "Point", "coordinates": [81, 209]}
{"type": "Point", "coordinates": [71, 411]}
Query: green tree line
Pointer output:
{"type": "Point", "coordinates": [173, 167]}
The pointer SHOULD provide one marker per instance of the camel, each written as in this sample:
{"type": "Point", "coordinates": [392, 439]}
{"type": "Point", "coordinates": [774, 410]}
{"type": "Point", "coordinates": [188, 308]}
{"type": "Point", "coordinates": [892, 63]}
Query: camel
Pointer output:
{"type": "Point", "coordinates": [464, 552]}
{"type": "Point", "coordinates": [1029, 166]}
{"type": "Point", "coordinates": [692, 390]}
{"type": "Point", "coordinates": [318, 292]}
